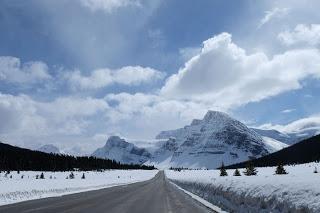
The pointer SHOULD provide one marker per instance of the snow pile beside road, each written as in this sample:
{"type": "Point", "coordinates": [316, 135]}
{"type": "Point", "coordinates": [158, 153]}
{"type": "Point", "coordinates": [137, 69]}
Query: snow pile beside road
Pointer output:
{"type": "Point", "coordinates": [298, 191]}
{"type": "Point", "coordinates": [17, 189]}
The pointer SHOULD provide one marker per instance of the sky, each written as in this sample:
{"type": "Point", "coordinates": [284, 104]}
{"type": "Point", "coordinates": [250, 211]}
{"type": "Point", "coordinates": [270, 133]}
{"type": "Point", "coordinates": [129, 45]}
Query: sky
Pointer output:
{"type": "Point", "coordinates": [73, 72]}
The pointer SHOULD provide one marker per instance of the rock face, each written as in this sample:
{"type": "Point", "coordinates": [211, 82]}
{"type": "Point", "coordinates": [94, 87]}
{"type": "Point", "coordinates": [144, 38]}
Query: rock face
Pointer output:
{"type": "Point", "coordinates": [49, 148]}
{"type": "Point", "coordinates": [119, 150]}
{"type": "Point", "coordinates": [215, 139]}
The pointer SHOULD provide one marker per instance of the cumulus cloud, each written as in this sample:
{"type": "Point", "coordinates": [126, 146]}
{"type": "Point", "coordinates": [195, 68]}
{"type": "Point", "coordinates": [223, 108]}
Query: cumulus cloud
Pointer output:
{"type": "Point", "coordinates": [130, 75]}
{"type": "Point", "coordinates": [144, 115]}
{"type": "Point", "coordinates": [304, 124]}
{"type": "Point", "coordinates": [109, 5]}
{"type": "Point", "coordinates": [13, 71]}
{"type": "Point", "coordinates": [302, 34]}
{"type": "Point", "coordinates": [274, 13]}
{"type": "Point", "coordinates": [24, 116]}
{"type": "Point", "coordinates": [225, 75]}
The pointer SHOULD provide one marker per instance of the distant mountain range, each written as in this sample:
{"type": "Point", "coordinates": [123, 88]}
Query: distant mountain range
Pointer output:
{"type": "Point", "coordinates": [204, 143]}
{"type": "Point", "coordinates": [49, 148]}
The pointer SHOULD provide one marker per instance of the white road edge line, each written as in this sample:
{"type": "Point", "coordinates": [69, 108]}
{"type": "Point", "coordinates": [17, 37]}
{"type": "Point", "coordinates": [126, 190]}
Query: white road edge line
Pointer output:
{"type": "Point", "coordinates": [201, 200]}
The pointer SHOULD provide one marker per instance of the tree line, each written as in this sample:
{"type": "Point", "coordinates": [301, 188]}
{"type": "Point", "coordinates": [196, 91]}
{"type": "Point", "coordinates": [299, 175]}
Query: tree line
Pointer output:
{"type": "Point", "coordinates": [16, 158]}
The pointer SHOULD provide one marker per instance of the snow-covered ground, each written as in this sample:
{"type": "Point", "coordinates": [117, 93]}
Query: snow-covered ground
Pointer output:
{"type": "Point", "coordinates": [298, 191]}
{"type": "Point", "coordinates": [17, 189]}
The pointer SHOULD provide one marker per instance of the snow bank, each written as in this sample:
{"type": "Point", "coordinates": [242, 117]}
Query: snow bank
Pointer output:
{"type": "Point", "coordinates": [16, 189]}
{"type": "Point", "coordinates": [299, 191]}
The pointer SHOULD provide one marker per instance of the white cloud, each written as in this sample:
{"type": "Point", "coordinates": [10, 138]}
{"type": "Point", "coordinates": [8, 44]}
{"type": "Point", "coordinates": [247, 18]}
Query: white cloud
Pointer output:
{"type": "Point", "coordinates": [302, 34]}
{"type": "Point", "coordinates": [11, 70]}
{"type": "Point", "coordinates": [104, 77]}
{"type": "Point", "coordinates": [144, 115]}
{"type": "Point", "coordinates": [109, 5]}
{"type": "Point", "coordinates": [287, 110]}
{"type": "Point", "coordinates": [274, 13]}
{"type": "Point", "coordinates": [24, 116]}
{"type": "Point", "coordinates": [304, 124]}
{"type": "Point", "coordinates": [225, 75]}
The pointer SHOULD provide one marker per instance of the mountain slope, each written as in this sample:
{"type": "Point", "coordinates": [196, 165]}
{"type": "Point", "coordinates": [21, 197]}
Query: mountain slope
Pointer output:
{"type": "Point", "coordinates": [49, 148]}
{"type": "Point", "coordinates": [302, 152]}
{"type": "Point", "coordinates": [119, 150]}
{"type": "Point", "coordinates": [215, 139]}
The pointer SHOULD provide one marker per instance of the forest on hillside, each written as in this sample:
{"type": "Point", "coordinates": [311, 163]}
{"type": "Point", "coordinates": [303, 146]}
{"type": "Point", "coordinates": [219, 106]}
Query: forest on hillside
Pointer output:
{"type": "Point", "coordinates": [16, 158]}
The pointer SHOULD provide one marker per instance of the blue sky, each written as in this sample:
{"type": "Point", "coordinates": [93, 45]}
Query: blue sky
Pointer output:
{"type": "Point", "coordinates": [74, 72]}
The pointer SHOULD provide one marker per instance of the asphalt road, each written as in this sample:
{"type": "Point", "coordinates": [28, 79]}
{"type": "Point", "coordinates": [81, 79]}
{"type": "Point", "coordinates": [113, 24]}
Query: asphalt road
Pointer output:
{"type": "Point", "coordinates": [153, 196]}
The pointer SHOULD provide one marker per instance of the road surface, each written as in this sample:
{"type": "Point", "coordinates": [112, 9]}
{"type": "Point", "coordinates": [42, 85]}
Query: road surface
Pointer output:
{"type": "Point", "coordinates": [153, 196]}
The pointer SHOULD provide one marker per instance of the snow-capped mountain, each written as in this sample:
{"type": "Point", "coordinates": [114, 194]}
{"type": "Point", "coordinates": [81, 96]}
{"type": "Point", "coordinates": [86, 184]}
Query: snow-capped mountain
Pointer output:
{"type": "Point", "coordinates": [205, 143]}
{"type": "Point", "coordinates": [287, 138]}
{"type": "Point", "coordinates": [49, 148]}
{"type": "Point", "coordinates": [119, 150]}
{"type": "Point", "coordinates": [215, 139]}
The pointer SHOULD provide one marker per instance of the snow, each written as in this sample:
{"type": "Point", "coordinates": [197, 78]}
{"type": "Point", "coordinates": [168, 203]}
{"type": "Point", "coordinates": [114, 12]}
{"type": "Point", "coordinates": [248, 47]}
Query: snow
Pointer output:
{"type": "Point", "coordinates": [203, 201]}
{"type": "Point", "coordinates": [207, 142]}
{"type": "Point", "coordinates": [273, 145]}
{"type": "Point", "coordinates": [297, 191]}
{"type": "Point", "coordinates": [29, 188]}
{"type": "Point", "coordinates": [122, 151]}
{"type": "Point", "coordinates": [49, 148]}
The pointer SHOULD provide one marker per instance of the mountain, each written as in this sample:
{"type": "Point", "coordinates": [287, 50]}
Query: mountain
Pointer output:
{"type": "Point", "coordinates": [302, 152]}
{"type": "Point", "coordinates": [119, 150]}
{"type": "Point", "coordinates": [49, 148]}
{"type": "Point", "coordinates": [288, 137]}
{"type": "Point", "coordinates": [205, 143]}
{"type": "Point", "coordinates": [208, 142]}
{"type": "Point", "coordinates": [74, 151]}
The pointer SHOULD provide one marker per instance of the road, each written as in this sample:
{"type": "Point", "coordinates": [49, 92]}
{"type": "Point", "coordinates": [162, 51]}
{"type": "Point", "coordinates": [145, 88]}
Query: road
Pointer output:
{"type": "Point", "coordinates": [153, 196]}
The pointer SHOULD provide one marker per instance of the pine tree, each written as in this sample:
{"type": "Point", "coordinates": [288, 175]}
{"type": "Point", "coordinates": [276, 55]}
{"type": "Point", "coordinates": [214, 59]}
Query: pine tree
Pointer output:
{"type": "Point", "coordinates": [83, 177]}
{"type": "Point", "coordinates": [236, 173]}
{"type": "Point", "coordinates": [71, 176]}
{"type": "Point", "coordinates": [223, 171]}
{"type": "Point", "coordinates": [42, 175]}
{"type": "Point", "coordinates": [280, 170]}
{"type": "Point", "coordinates": [250, 170]}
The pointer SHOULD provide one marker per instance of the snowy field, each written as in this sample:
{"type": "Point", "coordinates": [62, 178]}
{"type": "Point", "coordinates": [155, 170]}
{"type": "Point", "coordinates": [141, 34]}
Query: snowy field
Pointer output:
{"type": "Point", "coordinates": [298, 191]}
{"type": "Point", "coordinates": [17, 189]}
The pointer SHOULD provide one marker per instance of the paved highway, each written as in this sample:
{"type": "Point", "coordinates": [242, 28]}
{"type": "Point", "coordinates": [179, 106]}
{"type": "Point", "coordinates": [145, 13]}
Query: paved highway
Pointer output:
{"type": "Point", "coordinates": [153, 196]}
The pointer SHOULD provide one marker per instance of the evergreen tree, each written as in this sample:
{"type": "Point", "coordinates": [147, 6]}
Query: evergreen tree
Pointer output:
{"type": "Point", "coordinates": [71, 176]}
{"type": "Point", "coordinates": [250, 170]}
{"type": "Point", "coordinates": [236, 173]}
{"type": "Point", "coordinates": [42, 175]}
{"type": "Point", "coordinates": [83, 177]}
{"type": "Point", "coordinates": [223, 171]}
{"type": "Point", "coordinates": [280, 170]}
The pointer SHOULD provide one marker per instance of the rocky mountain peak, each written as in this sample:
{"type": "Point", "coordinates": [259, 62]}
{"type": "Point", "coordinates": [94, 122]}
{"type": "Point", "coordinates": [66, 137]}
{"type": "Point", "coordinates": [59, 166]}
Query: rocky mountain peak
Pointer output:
{"type": "Point", "coordinates": [116, 141]}
{"type": "Point", "coordinates": [216, 116]}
